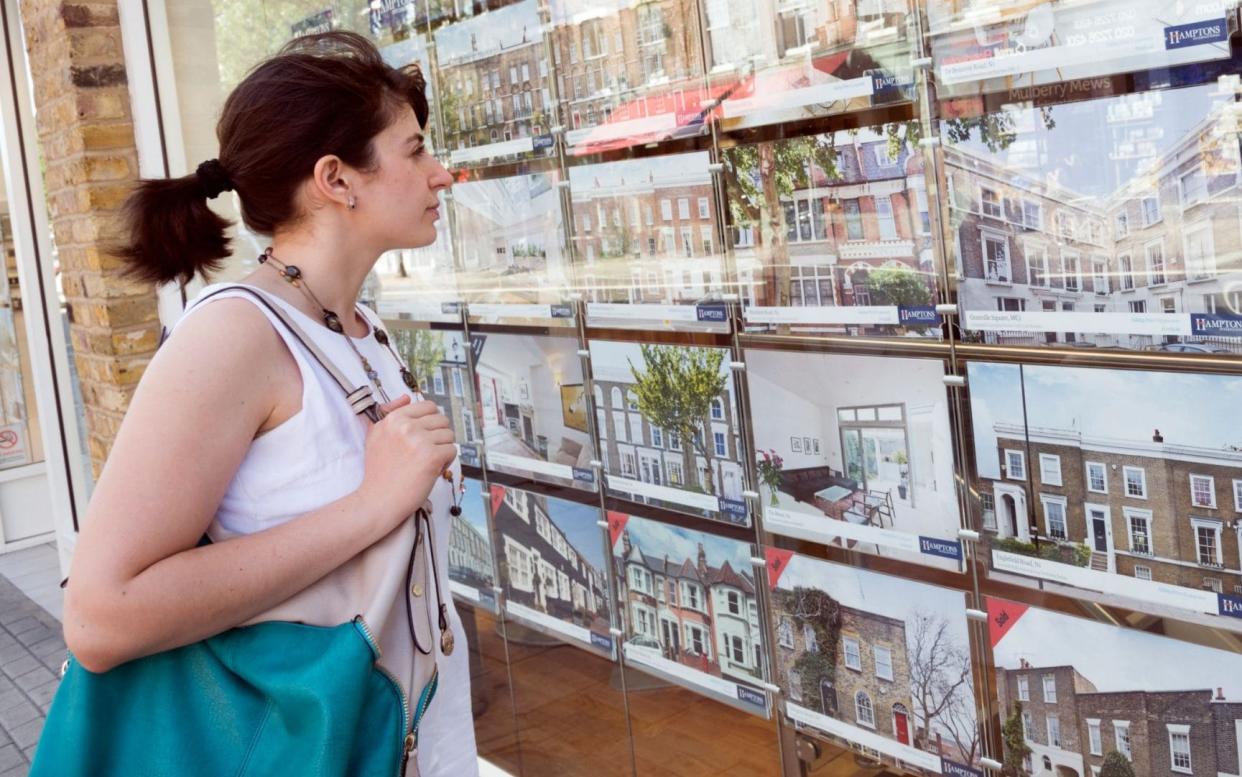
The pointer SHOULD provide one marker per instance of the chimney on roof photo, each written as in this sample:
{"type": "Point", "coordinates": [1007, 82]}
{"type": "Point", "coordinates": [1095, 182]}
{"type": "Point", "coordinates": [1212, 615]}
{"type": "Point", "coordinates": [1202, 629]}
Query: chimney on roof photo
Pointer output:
{"type": "Point", "coordinates": [1156, 436]}
{"type": "Point", "coordinates": [702, 561]}
{"type": "Point", "coordinates": [1220, 694]}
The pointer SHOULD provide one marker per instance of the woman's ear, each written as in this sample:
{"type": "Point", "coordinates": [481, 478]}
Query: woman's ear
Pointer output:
{"type": "Point", "coordinates": [331, 181]}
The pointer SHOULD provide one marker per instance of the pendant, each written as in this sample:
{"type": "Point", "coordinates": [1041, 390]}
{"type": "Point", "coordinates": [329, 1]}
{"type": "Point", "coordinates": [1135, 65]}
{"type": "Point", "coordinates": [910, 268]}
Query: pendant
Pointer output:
{"type": "Point", "coordinates": [408, 377]}
{"type": "Point", "coordinates": [446, 642]}
{"type": "Point", "coordinates": [454, 511]}
{"type": "Point", "coordinates": [291, 273]}
{"type": "Point", "coordinates": [381, 336]}
{"type": "Point", "coordinates": [333, 322]}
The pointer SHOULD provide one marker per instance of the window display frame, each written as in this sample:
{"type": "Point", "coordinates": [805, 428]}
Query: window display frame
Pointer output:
{"type": "Point", "coordinates": [924, 106]}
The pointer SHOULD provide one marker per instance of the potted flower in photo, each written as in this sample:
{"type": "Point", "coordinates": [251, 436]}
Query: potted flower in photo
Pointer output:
{"type": "Point", "coordinates": [903, 465]}
{"type": "Point", "coordinates": [770, 466]}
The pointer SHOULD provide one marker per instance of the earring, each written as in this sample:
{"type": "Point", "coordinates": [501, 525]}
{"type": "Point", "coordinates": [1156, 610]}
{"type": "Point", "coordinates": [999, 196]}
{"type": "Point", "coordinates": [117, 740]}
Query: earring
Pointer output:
{"type": "Point", "coordinates": [352, 203]}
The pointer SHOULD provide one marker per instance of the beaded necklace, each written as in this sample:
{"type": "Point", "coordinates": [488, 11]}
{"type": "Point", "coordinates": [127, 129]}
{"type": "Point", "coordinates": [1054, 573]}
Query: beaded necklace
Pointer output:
{"type": "Point", "coordinates": [293, 275]}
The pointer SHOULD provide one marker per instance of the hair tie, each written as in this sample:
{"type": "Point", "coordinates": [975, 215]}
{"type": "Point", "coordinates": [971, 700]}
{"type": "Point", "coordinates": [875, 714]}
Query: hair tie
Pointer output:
{"type": "Point", "coordinates": [213, 179]}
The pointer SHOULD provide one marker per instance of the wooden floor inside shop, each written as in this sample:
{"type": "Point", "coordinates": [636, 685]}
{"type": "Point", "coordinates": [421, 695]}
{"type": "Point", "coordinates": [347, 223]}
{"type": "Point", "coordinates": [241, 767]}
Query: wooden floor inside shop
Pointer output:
{"type": "Point", "coordinates": [566, 716]}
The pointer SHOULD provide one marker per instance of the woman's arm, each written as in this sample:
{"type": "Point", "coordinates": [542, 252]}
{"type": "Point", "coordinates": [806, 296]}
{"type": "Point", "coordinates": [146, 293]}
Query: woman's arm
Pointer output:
{"type": "Point", "coordinates": [139, 585]}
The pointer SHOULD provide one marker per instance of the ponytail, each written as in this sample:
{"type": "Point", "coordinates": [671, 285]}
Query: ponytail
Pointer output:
{"type": "Point", "coordinates": [171, 233]}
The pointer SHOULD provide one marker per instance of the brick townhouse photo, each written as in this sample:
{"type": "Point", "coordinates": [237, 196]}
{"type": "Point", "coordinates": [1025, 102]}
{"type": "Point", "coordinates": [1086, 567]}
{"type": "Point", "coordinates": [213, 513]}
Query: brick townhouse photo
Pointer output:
{"type": "Point", "coordinates": [1141, 219]}
{"type": "Point", "coordinates": [1124, 472]}
{"type": "Point", "coordinates": [1112, 695]}
{"type": "Point", "coordinates": [689, 597]}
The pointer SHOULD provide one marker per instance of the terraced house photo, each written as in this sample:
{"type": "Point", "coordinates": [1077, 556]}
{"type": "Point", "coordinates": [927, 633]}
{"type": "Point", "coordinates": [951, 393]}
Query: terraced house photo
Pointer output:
{"type": "Point", "coordinates": [1140, 224]}
{"type": "Point", "coordinates": [668, 423]}
{"type": "Point", "coordinates": [884, 662]}
{"type": "Point", "coordinates": [1112, 700]}
{"type": "Point", "coordinates": [551, 557]}
{"type": "Point", "coordinates": [836, 221]}
{"type": "Point", "coordinates": [1124, 472]}
{"type": "Point", "coordinates": [470, 545]}
{"type": "Point", "coordinates": [437, 360]}
{"type": "Point", "coordinates": [688, 597]}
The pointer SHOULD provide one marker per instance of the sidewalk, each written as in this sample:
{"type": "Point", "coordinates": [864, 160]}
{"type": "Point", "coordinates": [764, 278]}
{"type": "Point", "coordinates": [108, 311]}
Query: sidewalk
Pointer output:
{"type": "Point", "coordinates": [31, 652]}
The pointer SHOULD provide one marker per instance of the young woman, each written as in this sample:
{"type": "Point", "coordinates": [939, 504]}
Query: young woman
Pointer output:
{"type": "Point", "coordinates": [238, 431]}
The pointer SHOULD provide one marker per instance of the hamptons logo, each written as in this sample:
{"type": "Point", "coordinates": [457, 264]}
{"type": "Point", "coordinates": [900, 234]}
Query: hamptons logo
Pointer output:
{"type": "Point", "coordinates": [942, 548]}
{"type": "Point", "coordinates": [1195, 34]}
{"type": "Point", "coordinates": [600, 641]}
{"type": "Point", "coordinates": [562, 311]}
{"type": "Point", "coordinates": [954, 769]}
{"type": "Point", "coordinates": [751, 697]}
{"type": "Point", "coordinates": [712, 311]}
{"type": "Point", "coordinates": [917, 315]}
{"type": "Point", "coordinates": [733, 509]}
{"type": "Point", "coordinates": [1230, 605]}
{"type": "Point", "coordinates": [1215, 324]}
{"type": "Point", "coordinates": [469, 454]}
{"type": "Point", "coordinates": [583, 475]}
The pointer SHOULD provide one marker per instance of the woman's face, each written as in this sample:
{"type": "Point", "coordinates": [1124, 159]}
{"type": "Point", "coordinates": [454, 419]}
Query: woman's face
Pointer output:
{"type": "Point", "coordinates": [401, 199]}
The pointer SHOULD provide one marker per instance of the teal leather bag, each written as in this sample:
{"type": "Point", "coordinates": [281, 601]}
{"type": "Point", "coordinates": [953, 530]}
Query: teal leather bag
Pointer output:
{"type": "Point", "coordinates": [275, 698]}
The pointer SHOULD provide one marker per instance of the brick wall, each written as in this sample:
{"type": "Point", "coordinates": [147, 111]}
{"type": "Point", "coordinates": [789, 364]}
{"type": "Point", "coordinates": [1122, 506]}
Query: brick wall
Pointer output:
{"type": "Point", "coordinates": [90, 162]}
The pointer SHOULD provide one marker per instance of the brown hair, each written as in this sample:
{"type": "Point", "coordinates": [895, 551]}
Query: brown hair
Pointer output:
{"type": "Point", "coordinates": [330, 93]}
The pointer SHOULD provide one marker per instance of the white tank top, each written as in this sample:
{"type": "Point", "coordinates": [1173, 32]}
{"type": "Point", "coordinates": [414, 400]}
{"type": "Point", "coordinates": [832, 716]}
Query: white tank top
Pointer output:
{"type": "Point", "coordinates": [317, 457]}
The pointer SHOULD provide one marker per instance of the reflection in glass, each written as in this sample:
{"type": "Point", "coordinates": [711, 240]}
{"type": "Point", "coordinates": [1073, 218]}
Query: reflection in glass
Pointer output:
{"type": "Point", "coordinates": [833, 225]}
{"type": "Point", "coordinates": [494, 86]}
{"type": "Point", "coordinates": [1120, 211]}
{"type": "Point", "coordinates": [794, 59]}
{"type": "Point", "coordinates": [987, 46]}
{"type": "Point", "coordinates": [644, 230]}
{"type": "Point", "coordinates": [627, 72]}
{"type": "Point", "coordinates": [511, 240]}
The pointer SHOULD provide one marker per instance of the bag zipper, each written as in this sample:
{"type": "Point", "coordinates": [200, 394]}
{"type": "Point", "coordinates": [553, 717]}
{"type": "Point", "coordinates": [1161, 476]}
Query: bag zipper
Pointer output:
{"type": "Point", "coordinates": [409, 740]}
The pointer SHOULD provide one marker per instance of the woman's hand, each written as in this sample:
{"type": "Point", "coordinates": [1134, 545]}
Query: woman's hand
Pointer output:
{"type": "Point", "coordinates": [405, 455]}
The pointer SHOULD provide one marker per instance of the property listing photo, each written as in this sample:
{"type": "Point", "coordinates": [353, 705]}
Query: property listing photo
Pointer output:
{"type": "Point", "coordinates": [510, 247]}
{"type": "Point", "coordinates": [836, 236]}
{"type": "Point", "coordinates": [494, 87]}
{"type": "Point", "coordinates": [1016, 47]}
{"type": "Point", "coordinates": [550, 558]}
{"type": "Point", "coordinates": [437, 360]}
{"type": "Point", "coordinates": [1113, 700]}
{"type": "Point", "coordinates": [534, 407]}
{"type": "Point", "coordinates": [470, 568]}
{"type": "Point", "coordinates": [795, 61]}
{"type": "Point", "coordinates": [668, 426]}
{"type": "Point", "coordinates": [1104, 223]}
{"type": "Point", "coordinates": [856, 451]}
{"type": "Point", "coordinates": [1117, 481]}
{"type": "Point", "coordinates": [881, 662]}
{"type": "Point", "coordinates": [689, 608]}
{"type": "Point", "coordinates": [645, 242]}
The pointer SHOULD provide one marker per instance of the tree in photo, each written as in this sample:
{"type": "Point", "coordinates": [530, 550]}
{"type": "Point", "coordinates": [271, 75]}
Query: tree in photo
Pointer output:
{"type": "Point", "coordinates": [816, 668]}
{"type": "Point", "coordinates": [423, 351]}
{"type": "Point", "coordinates": [675, 389]}
{"type": "Point", "coordinates": [1116, 765]}
{"type": "Point", "coordinates": [1013, 739]}
{"type": "Point", "coordinates": [898, 286]}
{"type": "Point", "coordinates": [759, 178]}
{"type": "Point", "coordinates": [939, 674]}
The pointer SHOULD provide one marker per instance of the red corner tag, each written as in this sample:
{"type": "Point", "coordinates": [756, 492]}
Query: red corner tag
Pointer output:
{"type": "Point", "coordinates": [1002, 615]}
{"type": "Point", "coordinates": [498, 496]}
{"type": "Point", "coordinates": [616, 525]}
{"type": "Point", "coordinates": [777, 561]}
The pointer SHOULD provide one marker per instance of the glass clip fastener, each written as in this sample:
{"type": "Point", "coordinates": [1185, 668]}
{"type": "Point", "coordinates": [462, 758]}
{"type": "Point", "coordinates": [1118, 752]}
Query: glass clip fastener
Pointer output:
{"type": "Point", "coordinates": [921, 62]}
{"type": "Point", "coordinates": [739, 366]}
{"type": "Point", "coordinates": [929, 142]}
{"type": "Point", "coordinates": [584, 353]}
{"type": "Point", "coordinates": [750, 494]}
{"type": "Point", "coordinates": [597, 464]}
{"type": "Point", "coordinates": [563, 184]}
{"type": "Point", "coordinates": [602, 524]}
{"type": "Point", "coordinates": [775, 690]}
{"type": "Point", "coordinates": [758, 561]}
{"type": "Point", "coordinates": [970, 535]}
{"type": "Point", "coordinates": [715, 167]}
{"type": "Point", "coordinates": [977, 615]}
{"type": "Point", "coordinates": [955, 380]}
{"type": "Point", "coordinates": [557, 130]}
{"type": "Point", "coordinates": [947, 309]}
{"type": "Point", "coordinates": [616, 633]}
{"type": "Point", "coordinates": [991, 763]}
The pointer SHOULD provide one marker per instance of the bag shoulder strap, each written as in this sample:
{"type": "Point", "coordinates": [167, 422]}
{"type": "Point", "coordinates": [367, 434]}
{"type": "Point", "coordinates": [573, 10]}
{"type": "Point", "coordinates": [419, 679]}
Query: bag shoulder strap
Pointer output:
{"type": "Point", "coordinates": [361, 399]}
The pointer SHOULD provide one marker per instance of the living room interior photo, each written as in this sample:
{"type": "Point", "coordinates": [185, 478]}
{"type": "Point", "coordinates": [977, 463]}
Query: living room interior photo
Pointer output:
{"type": "Point", "coordinates": [532, 400]}
{"type": "Point", "coordinates": [859, 439]}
